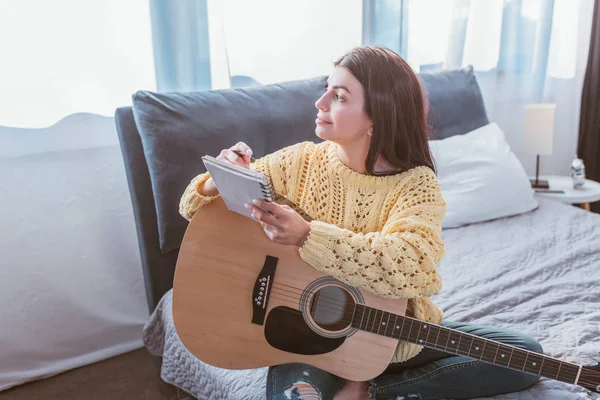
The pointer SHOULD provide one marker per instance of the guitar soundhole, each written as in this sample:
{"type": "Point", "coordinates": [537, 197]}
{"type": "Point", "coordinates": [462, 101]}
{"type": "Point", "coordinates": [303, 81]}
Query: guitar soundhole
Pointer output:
{"type": "Point", "coordinates": [331, 308]}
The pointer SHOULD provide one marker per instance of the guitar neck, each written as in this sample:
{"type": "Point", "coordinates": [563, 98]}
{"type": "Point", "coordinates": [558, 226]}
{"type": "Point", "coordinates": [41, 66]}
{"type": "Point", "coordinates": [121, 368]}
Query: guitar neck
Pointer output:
{"type": "Point", "coordinates": [455, 342]}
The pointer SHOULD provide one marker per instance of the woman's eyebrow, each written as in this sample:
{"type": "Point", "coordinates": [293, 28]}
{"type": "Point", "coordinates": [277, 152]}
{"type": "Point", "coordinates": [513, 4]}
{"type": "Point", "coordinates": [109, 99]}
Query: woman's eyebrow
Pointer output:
{"type": "Point", "coordinates": [340, 87]}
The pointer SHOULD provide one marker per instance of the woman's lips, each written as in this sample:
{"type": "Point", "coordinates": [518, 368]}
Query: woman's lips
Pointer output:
{"type": "Point", "coordinates": [321, 121]}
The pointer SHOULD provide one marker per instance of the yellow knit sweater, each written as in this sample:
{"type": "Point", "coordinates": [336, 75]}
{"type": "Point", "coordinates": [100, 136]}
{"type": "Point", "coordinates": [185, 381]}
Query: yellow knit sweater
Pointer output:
{"type": "Point", "coordinates": [377, 233]}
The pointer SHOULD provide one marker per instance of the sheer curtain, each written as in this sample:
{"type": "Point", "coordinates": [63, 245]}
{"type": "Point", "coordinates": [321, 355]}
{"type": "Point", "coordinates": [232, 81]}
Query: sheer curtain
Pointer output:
{"type": "Point", "coordinates": [270, 41]}
{"type": "Point", "coordinates": [181, 45]}
{"type": "Point", "coordinates": [218, 44]}
{"type": "Point", "coordinates": [67, 56]}
{"type": "Point", "coordinates": [523, 51]}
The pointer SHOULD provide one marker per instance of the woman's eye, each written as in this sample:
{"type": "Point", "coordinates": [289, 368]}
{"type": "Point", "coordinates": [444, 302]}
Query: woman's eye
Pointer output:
{"type": "Point", "coordinates": [337, 96]}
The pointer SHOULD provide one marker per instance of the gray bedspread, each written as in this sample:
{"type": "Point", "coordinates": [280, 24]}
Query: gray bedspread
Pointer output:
{"type": "Point", "coordinates": [537, 273]}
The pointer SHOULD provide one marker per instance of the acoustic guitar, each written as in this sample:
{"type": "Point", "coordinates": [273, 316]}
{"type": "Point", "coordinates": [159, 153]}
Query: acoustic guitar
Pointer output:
{"type": "Point", "coordinates": [241, 301]}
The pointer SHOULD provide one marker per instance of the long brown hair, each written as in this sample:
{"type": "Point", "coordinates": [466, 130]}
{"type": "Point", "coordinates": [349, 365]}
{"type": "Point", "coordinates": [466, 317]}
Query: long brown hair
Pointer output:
{"type": "Point", "coordinates": [396, 103]}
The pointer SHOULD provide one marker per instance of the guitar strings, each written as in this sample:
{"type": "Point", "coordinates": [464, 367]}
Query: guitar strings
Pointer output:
{"type": "Point", "coordinates": [301, 291]}
{"type": "Point", "coordinates": [549, 370]}
{"type": "Point", "coordinates": [516, 357]}
{"type": "Point", "coordinates": [295, 301]}
{"type": "Point", "coordinates": [335, 301]}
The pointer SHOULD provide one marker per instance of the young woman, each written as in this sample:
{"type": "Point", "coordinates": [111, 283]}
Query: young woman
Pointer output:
{"type": "Point", "coordinates": [378, 209]}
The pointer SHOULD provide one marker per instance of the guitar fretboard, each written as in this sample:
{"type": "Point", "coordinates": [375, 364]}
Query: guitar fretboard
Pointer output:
{"type": "Point", "coordinates": [455, 342]}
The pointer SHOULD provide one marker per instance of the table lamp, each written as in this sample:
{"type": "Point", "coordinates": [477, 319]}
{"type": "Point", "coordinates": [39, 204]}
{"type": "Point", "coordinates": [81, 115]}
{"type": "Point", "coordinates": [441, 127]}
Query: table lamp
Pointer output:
{"type": "Point", "coordinates": [539, 135]}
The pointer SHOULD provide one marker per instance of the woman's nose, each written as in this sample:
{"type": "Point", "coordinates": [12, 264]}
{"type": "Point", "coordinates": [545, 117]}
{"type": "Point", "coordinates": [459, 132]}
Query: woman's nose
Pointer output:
{"type": "Point", "coordinates": [321, 104]}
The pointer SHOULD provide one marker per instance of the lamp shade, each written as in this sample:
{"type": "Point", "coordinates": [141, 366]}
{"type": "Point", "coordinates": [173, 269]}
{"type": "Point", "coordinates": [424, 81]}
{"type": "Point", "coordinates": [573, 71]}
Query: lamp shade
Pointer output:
{"type": "Point", "coordinates": [539, 128]}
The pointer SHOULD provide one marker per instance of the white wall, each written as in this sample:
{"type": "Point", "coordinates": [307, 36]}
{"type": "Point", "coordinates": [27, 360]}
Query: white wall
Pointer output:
{"type": "Point", "coordinates": [71, 287]}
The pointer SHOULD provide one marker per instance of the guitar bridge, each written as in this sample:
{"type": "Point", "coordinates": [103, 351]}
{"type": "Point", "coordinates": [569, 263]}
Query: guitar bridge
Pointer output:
{"type": "Point", "coordinates": [262, 290]}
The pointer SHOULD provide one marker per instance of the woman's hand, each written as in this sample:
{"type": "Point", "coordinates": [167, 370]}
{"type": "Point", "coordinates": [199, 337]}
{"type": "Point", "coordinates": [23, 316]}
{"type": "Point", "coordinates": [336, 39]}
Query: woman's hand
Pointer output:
{"type": "Point", "coordinates": [281, 224]}
{"type": "Point", "coordinates": [230, 155]}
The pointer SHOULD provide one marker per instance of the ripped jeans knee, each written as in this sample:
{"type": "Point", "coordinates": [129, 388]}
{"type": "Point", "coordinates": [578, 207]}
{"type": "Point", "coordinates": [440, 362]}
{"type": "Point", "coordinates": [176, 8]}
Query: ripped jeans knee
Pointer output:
{"type": "Point", "coordinates": [302, 390]}
{"type": "Point", "coordinates": [301, 382]}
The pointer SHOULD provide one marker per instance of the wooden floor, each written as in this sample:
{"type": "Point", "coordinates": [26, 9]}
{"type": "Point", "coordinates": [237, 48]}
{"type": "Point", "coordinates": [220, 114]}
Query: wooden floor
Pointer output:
{"type": "Point", "coordinates": [130, 376]}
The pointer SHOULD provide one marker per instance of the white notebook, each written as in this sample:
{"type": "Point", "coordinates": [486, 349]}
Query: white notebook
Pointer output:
{"type": "Point", "coordinates": [238, 186]}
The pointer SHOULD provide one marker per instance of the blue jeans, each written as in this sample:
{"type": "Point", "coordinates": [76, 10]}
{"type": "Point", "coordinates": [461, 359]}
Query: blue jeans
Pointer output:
{"type": "Point", "coordinates": [431, 375]}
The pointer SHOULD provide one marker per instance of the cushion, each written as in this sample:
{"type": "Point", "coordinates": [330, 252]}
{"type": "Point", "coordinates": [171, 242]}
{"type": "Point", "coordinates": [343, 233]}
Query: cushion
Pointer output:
{"type": "Point", "coordinates": [456, 103]}
{"type": "Point", "coordinates": [481, 177]}
{"type": "Point", "coordinates": [177, 129]}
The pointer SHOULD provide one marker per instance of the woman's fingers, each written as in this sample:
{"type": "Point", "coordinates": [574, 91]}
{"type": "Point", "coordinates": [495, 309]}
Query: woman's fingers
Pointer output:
{"type": "Point", "coordinates": [232, 157]}
{"type": "Point", "coordinates": [239, 154]}
{"type": "Point", "coordinates": [263, 216]}
{"type": "Point", "coordinates": [269, 206]}
{"type": "Point", "coordinates": [244, 150]}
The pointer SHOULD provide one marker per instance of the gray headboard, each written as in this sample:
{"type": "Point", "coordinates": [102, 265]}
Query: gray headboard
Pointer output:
{"type": "Point", "coordinates": [158, 269]}
{"type": "Point", "coordinates": [162, 132]}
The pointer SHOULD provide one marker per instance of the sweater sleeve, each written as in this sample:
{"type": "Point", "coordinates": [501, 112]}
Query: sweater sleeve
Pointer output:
{"type": "Point", "coordinates": [398, 262]}
{"type": "Point", "coordinates": [191, 200]}
{"type": "Point", "coordinates": [283, 167]}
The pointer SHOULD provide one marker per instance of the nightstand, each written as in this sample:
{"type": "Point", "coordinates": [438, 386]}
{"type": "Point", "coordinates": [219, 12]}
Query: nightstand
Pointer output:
{"type": "Point", "coordinates": [583, 196]}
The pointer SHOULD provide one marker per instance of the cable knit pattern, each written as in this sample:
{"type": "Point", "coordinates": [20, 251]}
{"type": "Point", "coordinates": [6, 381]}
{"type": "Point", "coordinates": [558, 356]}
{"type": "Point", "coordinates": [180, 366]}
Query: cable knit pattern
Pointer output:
{"type": "Point", "coordinates": [377, 233]}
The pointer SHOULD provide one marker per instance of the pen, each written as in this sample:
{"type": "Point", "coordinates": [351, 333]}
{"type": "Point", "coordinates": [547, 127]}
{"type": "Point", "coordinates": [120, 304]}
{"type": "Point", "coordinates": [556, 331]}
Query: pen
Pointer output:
{"type": "Point", "coordinates": [252, 159]}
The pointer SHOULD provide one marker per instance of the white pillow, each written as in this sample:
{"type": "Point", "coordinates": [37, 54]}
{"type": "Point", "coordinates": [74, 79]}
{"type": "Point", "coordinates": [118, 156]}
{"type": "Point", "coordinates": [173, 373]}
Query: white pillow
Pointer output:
{"type": "Point", "coordinates": [481, 177]}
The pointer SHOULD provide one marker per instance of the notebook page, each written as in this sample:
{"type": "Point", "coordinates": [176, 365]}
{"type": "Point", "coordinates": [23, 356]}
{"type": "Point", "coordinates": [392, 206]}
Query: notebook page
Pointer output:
{"type": "Point", "coordinates": [237, 185]}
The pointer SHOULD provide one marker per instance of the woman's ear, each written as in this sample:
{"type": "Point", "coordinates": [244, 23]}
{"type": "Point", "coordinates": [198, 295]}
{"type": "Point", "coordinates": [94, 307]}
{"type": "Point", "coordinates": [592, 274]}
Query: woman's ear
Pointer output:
{"type": "Point", "coordinates": [370, 131]}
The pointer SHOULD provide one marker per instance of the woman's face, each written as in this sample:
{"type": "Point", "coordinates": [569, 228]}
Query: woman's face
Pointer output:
{"type": "Point", "coordinates": [341, 118]}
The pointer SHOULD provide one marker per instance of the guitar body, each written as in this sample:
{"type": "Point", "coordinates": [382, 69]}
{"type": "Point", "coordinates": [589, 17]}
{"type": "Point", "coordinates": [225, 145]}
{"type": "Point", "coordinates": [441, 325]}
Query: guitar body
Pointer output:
{"type": "Point", "coordinates": [241, 301]}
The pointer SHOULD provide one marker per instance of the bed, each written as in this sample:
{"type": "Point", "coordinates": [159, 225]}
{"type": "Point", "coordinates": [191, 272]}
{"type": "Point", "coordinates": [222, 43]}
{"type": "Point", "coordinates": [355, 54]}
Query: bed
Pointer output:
{"type": "Point", "coordinates": [535, 271]}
